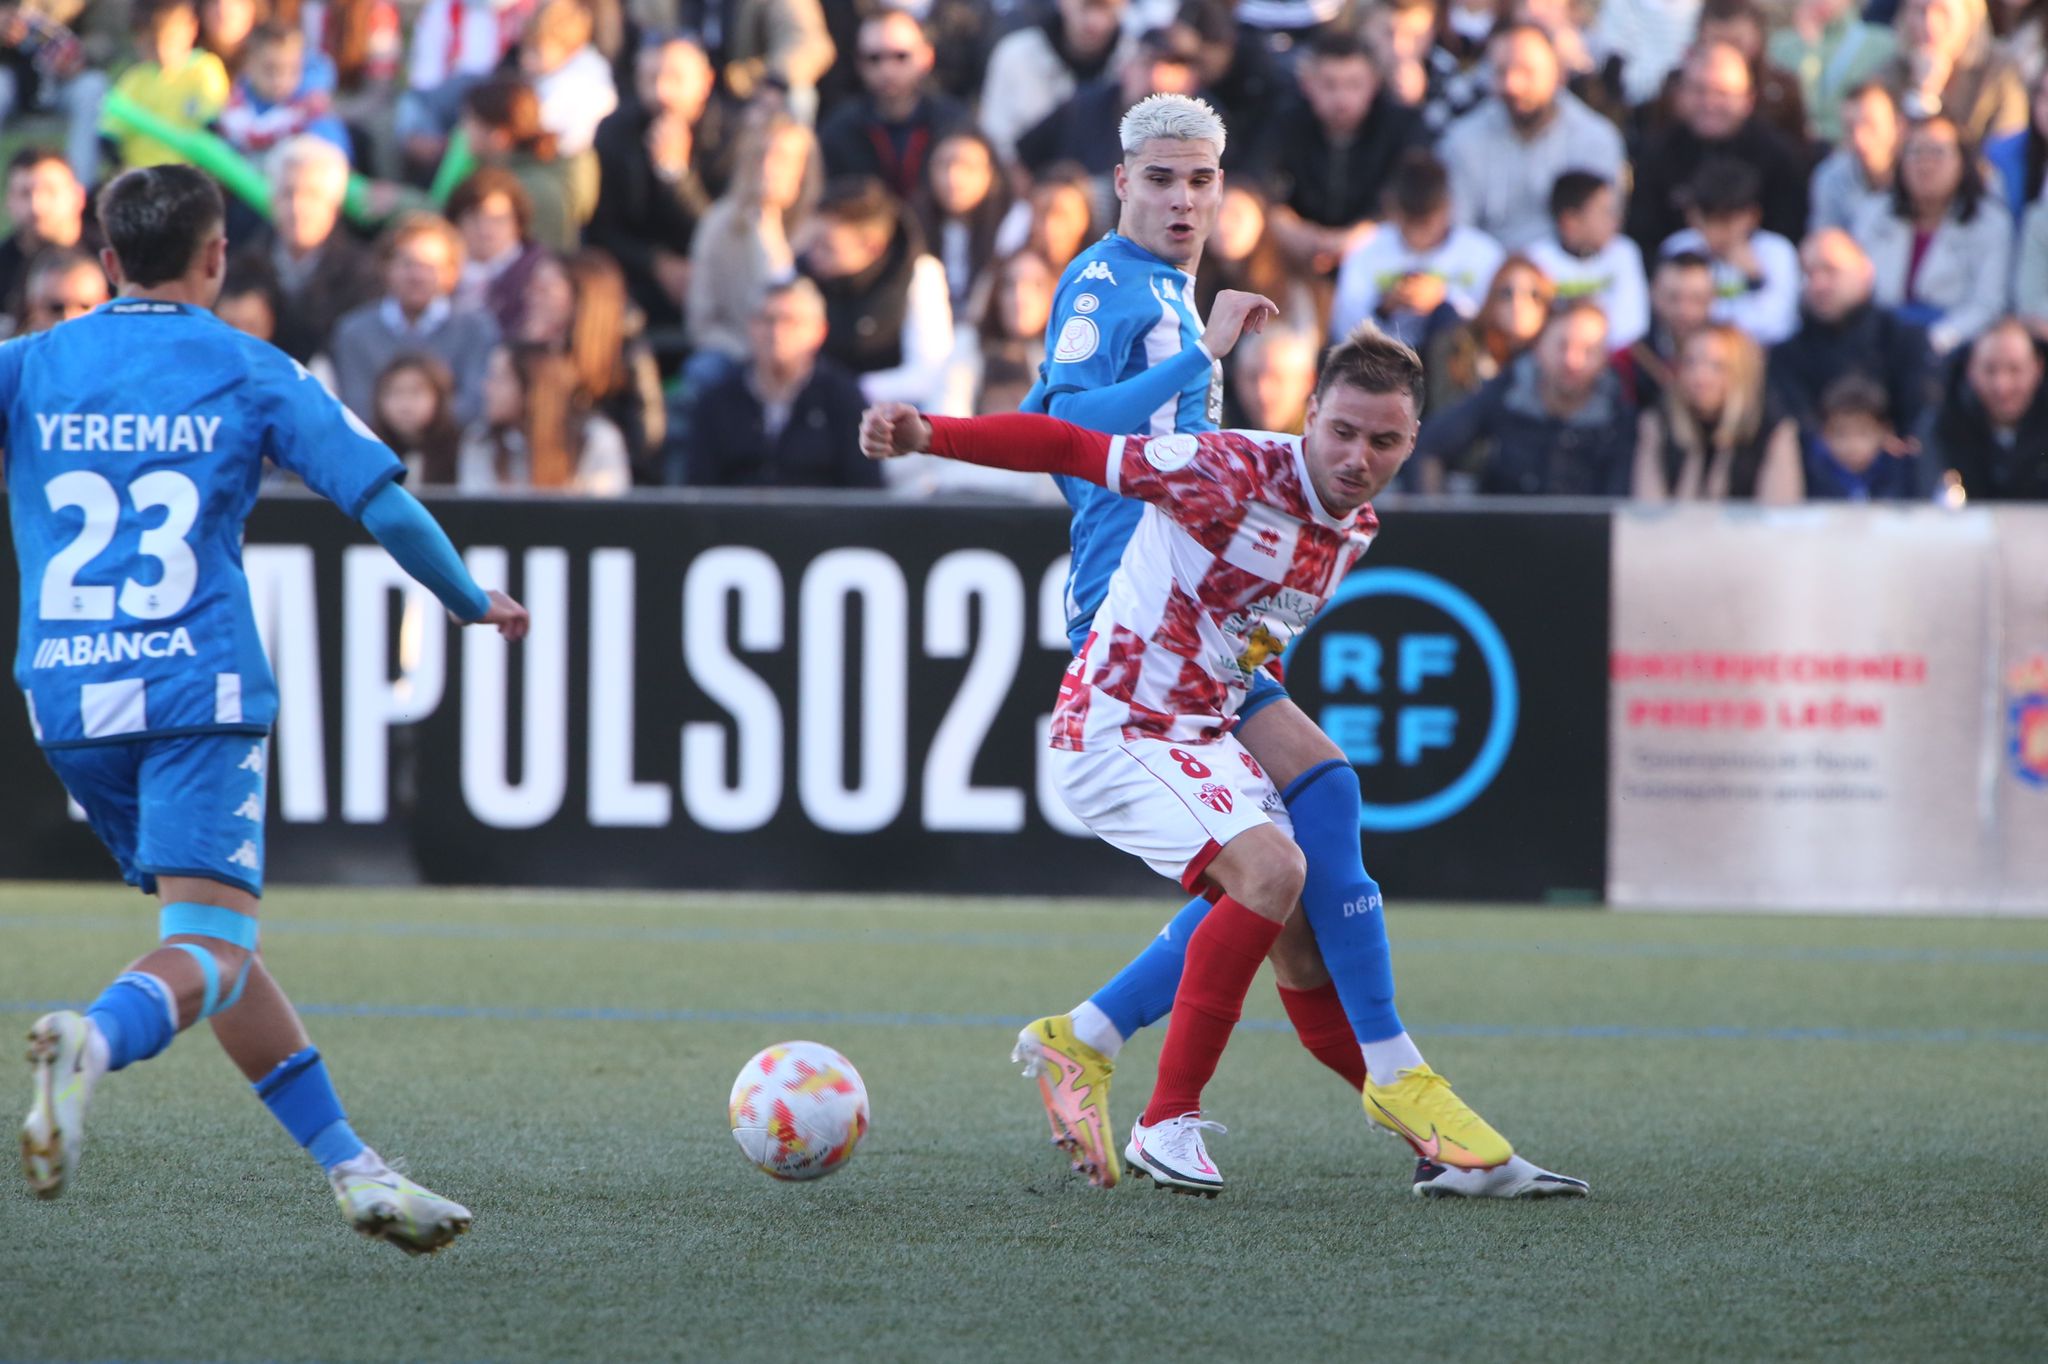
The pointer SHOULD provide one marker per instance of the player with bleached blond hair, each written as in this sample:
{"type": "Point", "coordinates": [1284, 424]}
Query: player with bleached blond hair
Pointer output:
{"type": "Point", "coordinates": [1130, 355]}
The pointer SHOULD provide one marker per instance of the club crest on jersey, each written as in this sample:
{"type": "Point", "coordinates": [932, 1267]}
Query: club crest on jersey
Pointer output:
{"type": "Point", "coordinates": [1216, 796]}
{"type": "Point", "coordinates": [1097, 269]}
{"type": "Point", "coordinates": [1264, 542]}
{"type": "Point", "coordinates": [1168, 454]}
{"type": "Point", "coordinates": [1078, 340]}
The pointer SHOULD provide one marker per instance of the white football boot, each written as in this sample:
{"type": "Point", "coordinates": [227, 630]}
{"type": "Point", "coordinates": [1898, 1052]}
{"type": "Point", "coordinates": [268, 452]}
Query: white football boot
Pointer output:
{"type": "Point", "coordinates": [384, 1205]}
{"type": "Point", "coordinates": [66, 1057]}
{"type": "Point", "coordinates": [1172, 1156]}
{"type": "Point", "coordinates": [1517, 1178]}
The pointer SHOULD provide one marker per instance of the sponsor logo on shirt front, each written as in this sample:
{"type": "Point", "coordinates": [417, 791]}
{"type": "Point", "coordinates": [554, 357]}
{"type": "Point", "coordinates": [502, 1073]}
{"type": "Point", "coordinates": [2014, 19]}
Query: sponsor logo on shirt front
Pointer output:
{"type": "Point", "coordinates": [122, 646]}
{"type": "Point", "coordinates": [1264, 542]}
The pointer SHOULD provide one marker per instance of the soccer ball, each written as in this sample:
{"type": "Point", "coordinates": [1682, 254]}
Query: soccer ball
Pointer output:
{"type": "Point", "coordinates": [797, 1110]}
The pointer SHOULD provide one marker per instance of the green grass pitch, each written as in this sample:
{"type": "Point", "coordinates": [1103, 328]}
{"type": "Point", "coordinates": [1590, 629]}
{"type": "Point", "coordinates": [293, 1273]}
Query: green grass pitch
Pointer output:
{"type": "Point", "coordinates": [1807, 1139]}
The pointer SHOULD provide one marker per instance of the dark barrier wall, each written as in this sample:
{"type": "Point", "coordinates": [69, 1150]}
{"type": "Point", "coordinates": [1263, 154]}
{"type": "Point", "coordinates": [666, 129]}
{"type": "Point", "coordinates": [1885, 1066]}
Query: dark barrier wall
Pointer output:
{"type": "Point", "coordinates": [850, 695]}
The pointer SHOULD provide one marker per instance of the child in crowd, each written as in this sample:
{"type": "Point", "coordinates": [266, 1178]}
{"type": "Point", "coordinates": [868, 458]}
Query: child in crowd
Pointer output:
{"type": "Point", "coordinates": [283, 91]}
{"type": "Point", "coordinates": [1756, 273]}
{"type": "Point", "coordinates": [572, 78]}
{"type": "Point", "coordinates": [1856, 456]}
{"type": "Point", "coordinates": [1419, 272]}
{"type": "Point", "coordinates": [536, 433]}
{"type": "Point", "coordinates": [172, 79]}
{"type": "Point", "coordinates": [415, 415]}
{"type": "Point", "coordinates": [1588, 257]}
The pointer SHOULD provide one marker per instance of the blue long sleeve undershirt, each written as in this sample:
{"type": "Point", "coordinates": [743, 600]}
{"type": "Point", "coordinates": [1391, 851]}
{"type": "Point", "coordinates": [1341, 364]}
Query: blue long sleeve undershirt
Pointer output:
{"type": "Point", "coordinates": [1126, 408]}
{"type": "Point", "coordinates": [409, 532]}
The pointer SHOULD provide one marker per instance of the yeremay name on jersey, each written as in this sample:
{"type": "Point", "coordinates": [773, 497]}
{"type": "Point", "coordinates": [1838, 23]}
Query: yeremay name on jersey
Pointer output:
{"type": "Point", "coordinates": [127, 432]}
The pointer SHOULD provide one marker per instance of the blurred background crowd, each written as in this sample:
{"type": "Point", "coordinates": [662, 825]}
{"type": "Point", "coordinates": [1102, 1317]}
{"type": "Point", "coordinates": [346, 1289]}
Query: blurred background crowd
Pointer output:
{"type": "Point", "coordinates": [1667, 249]}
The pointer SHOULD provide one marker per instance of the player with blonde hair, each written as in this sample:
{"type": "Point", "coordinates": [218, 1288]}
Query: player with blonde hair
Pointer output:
{"type": "Point", "coordinates": [1130, 355]}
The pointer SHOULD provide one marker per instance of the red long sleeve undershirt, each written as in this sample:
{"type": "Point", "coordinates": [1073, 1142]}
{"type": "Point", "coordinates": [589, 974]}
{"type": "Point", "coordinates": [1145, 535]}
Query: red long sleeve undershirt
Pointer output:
{"type": "Point", "coordinates": [1023, 441]}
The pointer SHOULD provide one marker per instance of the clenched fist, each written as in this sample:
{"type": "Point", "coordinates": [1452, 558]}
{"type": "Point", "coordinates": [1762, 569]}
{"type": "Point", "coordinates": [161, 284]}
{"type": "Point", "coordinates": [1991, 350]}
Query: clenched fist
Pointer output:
{"type": "Point", "coordinates": [891, 429]}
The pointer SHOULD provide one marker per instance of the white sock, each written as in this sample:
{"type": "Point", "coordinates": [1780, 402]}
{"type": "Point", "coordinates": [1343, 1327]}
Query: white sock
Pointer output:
{"type": "Point", "coordinates": [96, 1052]}
{"type": "Point", "coordinates": [366, 1163]}
{"type": "Point", "coordinates": [1092, 1026]}
{"type": "Point", "coordinates": [1384, 1061]}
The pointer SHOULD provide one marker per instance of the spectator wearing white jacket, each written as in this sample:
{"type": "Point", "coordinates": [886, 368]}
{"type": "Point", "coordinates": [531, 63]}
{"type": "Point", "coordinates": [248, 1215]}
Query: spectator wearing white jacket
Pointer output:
{"type": "Point", "coordinates": [888, 311]}
{"type": "Point", "coordinates": [1589, 257]}
{"type": "Point", "coordinates": [1035, 70]}
{"type": "Point", "coordinates": [1505, 155]}
{"type": "Point", "coordinates": [1417, 263]}
{"type": "Point", "coordinates": [572, 78]}
{"type": "Point", "coordinates": [1756, 273]}
{"type": "Point", "coordinates": [1941, 245]}
{"type": "Point", "coordinates": [1650, 36]}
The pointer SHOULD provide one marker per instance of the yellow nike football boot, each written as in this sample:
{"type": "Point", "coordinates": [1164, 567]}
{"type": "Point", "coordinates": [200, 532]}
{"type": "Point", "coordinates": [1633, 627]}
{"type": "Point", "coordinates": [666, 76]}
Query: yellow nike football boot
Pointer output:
{"type": "Point", "coordinates": [1073, 1082]}
{"type": "Point", "coordinates": [1422, 1110]}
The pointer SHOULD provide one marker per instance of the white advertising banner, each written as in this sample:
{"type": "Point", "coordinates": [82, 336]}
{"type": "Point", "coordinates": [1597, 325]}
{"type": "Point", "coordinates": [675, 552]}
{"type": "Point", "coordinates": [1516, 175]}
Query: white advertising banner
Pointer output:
{"type": "Point", "coordinates": [1819, 709]}
{"type": "Point", "coordinates": [2019, 797]}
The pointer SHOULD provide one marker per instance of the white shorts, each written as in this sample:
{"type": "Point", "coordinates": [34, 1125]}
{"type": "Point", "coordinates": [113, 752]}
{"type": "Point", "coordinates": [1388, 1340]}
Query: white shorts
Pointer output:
{"type": "Point", "coordinates": [1175, 805]}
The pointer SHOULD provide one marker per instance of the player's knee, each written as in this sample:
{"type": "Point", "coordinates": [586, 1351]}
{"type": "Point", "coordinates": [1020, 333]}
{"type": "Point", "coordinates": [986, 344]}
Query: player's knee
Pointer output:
{"type": "Point", "coordinates": [1269, 875]}
{"type": "Point", "coordinates": [222, 943]}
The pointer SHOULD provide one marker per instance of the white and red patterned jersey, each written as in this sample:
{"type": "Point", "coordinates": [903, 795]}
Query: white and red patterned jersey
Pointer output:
{"type": "Point", "coordinates": [1234, 556]}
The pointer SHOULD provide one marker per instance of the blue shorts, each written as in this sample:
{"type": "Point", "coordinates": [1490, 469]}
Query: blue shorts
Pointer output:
{"type": "Point", "coordinates": [186, 806]}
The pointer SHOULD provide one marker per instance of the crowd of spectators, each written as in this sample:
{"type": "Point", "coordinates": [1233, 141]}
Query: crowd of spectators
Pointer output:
{"type": "Point", "coordinates": [1671, 249]}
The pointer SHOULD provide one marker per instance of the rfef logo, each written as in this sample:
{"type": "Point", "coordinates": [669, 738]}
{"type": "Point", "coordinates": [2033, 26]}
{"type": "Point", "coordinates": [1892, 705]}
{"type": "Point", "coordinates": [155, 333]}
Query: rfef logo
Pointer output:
{"type": "Point", "coordinates": [1414, 682]}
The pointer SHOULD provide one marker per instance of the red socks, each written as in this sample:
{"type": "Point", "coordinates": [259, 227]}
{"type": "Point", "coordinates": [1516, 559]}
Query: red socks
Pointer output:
{"type": "Point", "coordinates": [1223, 957]}
{"type": "Point", "coordinates": [1318, 1017]}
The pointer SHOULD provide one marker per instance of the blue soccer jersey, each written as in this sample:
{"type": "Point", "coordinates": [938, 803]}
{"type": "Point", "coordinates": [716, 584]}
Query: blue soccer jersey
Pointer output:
{"type": "Point", "coordinates": [135, 441]}
{"type": "Point", "coordinates": [1118, 312]}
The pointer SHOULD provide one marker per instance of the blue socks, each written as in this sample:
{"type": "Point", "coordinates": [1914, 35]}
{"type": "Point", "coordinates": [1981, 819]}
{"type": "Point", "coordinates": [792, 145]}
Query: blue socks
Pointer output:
{"type": "Point", "coordinates": [1142, 993]}
{"type": "Point", "coordinates": [301, 1097]}
{"type": "Point", "coordinates": [1343, 906]}
{"type": "Point", "coordinates": [1342, 902]}
{"type": "Point", "coordinates": [134, 1014]}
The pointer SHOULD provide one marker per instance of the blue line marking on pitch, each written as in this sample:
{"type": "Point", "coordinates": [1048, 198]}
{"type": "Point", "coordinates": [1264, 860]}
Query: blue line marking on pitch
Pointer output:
{"type": "Point", "coordinates": [1600, 1032]}
{"type": "Point", "coordinates": [897, 937]}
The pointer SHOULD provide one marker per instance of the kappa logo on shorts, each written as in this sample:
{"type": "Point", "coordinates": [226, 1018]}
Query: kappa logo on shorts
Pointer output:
{"type": "Point", "coordinates": [244, 856]}
{"type": "Point", "coordinates": [250, 808]}
{"type": "Point", "coordinates": [254, 762]}
{"type": "Point", "coordinates": [1096, 269]}
{"type": "Point", "coordinates": [1216, 796]}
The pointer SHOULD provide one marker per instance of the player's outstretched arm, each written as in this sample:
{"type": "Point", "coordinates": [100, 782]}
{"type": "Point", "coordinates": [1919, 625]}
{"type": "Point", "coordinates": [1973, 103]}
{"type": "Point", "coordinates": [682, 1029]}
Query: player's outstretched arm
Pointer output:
{"type": "Point", "coordinates": [409, 532]}
{"type": "Point", "coordinates": [1128, 404]}
{"type": "Point", "coordinates": [1021, 441]}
